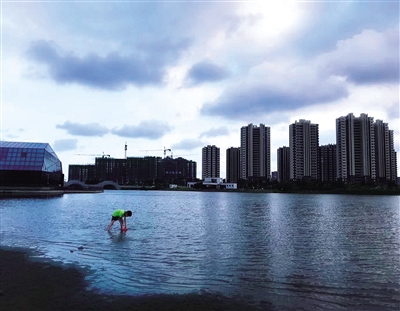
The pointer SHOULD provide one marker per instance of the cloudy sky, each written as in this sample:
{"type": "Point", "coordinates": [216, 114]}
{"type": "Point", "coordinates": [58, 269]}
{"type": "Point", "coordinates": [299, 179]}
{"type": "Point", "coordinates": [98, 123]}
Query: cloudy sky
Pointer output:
{"type": "Point", "coordinates": [89, 76]}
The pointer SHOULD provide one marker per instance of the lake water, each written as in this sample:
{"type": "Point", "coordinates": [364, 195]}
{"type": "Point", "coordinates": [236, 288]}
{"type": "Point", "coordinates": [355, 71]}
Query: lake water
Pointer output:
{"type": "Point", "coordinates": [311, 252]}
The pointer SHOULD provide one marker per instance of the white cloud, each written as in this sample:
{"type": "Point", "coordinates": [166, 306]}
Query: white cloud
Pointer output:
{"type": "Point", "coordinates": [370, 57]}
{"type": "Point", "coordinates": [89, 129]}
{"type": "Point", "coordinates": [286, 61]}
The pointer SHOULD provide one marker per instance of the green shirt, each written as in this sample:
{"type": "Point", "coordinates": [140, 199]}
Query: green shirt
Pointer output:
{"type": "Point", "coordinates": [119, 213]}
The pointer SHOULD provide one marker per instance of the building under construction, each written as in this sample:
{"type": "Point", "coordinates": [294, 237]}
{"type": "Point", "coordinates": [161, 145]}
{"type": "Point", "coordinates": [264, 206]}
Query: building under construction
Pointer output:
{"type": "Point", "coordinates": [148, 170]}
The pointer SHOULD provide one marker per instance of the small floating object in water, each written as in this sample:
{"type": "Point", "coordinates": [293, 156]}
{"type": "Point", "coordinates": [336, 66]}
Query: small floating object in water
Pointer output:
{"type": "Point", "coordinates": [80, 247]}
{"type": "Point", "coordinates": [124, 229]}
{"type": "Point", "coordinates": [71, 251]}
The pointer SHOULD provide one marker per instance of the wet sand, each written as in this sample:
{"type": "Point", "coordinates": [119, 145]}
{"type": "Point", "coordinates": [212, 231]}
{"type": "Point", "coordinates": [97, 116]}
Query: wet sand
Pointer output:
{"type": "Point", "coordinates": [28, 285]}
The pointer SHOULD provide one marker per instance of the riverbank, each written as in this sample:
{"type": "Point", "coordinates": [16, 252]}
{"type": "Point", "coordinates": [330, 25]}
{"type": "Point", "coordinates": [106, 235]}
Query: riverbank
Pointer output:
{"type": "Point", "coordinates": [43, 192]}
{"type": "Point", "coordinates": [28, 285]}
{"type": "Point", "coordinates": [29, 192]}
{"type": "Point", "coordinates": [395, 192]}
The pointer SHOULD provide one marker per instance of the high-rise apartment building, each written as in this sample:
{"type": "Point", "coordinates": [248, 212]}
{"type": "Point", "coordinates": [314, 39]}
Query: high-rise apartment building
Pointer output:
{"type": "Point", "coordinates": [283, 164]}
{"type": "Point", "coordinates": [232, 164]}
{"type": "Point", "coordinates": [303, 144]}
{"type": "Point", "coordinates": [255, 152]}
{"type": "Point", "coordinates": [355, 148]}
{"type": "Point", "coordinates": [393, 159]}
{"type": "Point", "coordinates": [327, 163]}
{"type": "Point", "coordinates": [385, 154]}
{"type": "Point", "coordinates": [210, 162]}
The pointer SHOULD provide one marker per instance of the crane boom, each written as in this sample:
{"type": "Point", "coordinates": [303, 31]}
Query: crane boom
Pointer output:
{"type": "Point", "coordinates": [165, 150]}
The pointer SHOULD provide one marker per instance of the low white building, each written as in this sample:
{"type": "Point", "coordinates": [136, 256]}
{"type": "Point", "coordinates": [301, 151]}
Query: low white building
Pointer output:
{"type": "Point", "coordinates": [214, 183]}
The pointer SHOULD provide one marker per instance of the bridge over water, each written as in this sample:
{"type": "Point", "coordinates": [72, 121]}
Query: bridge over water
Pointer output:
{"type": "Point", "coordinates": [107, 184]}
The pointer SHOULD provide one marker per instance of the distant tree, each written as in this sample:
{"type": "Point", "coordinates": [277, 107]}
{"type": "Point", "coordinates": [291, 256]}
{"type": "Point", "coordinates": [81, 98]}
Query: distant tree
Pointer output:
{"type": "Point", "coordinates": [392, 184]}
{"type": "Point", "coordinates": [242, 184]}
{"type": "Point", "coordinates": [198, 185]}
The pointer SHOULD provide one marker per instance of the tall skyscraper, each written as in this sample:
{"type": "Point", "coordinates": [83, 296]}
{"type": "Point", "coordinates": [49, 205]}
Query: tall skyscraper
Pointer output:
{"type": "Point", "coordinates": [232, 165]}
{"type": "Point", "coordinates": [355, 148]}
{"type": "Point", "coordinates": [385, 154]}
{"type": "Point", "coordinates": [210, 162]}
{"type": "Point", "coordinates": [327, 163]}
{"type": "Point", "coordinates": [303, 144]}
{"type": "Point", "coordinates": [255, 152]}
{"type": "Point", "coordinates": [283, 164]}
{"type": "Point", "coordinates": [393, 159]}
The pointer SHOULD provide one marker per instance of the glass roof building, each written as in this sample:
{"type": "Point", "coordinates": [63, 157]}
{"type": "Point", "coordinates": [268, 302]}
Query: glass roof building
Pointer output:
{"type": "Point", "coordinates": [29, 164]}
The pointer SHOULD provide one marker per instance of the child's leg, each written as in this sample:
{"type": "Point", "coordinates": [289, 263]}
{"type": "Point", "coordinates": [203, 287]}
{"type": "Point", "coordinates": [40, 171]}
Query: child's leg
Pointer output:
{"type": "Point", "coordinates": [110, 225]}
{"type": "Point", "coordinates": [121, 223]}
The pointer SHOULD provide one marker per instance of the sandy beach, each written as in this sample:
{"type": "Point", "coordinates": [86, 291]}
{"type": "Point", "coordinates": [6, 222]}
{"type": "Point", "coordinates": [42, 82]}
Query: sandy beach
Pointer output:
{"type": "Point", "coordinates": [28, 285]}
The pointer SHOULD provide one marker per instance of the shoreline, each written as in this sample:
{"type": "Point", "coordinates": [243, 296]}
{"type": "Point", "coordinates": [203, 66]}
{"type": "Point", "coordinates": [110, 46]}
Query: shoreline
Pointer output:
{"type": "Point", "coordinates": [311, 192]}
{"type": "Point", "coordinates": [31, 285]}
{"type": "Point", "coordinates": [30, 192]}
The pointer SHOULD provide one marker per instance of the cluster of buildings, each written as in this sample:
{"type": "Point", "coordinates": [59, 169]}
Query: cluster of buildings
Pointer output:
{"type": "Point", "coordinates": [252, 160]}
{"type": "Point", "coordinates": [364, 152]}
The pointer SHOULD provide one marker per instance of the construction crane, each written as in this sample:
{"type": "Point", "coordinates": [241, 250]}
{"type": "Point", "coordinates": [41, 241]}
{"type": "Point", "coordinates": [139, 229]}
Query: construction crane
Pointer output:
{"type": "Point", "coordinates": [165, 150]}
{"type": "Point", "coordinates": [93, 155]}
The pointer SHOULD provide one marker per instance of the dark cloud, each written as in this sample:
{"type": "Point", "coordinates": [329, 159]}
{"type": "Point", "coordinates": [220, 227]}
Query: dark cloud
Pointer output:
{"type": "Point", "coordinates": [254, 100]}
{"type": "Point", "coordinates": [78, 129]}
{"type": "Point", "coordinates": [138, 21]}
{"type": "Point", "coordinates": [135, 23]}
{"type": "Point", "coordinates": [370, 57]}
{"type": "Point", "coordinates": [213, 132]}
{"type": "Point", "coordinates": [65, 145]}
{"type": "Point", "coordinates": [151, 129]}
{"type": "Point", "coordinates": [113, 72]}
{"type": "Point", "coordinates": [205, 71]}
{"type": "Point", "coordinates": [188, 144]}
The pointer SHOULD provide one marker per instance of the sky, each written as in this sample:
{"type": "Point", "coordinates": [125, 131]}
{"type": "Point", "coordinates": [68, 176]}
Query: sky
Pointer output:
{"type": "Point", "coordinates": [89, 76]}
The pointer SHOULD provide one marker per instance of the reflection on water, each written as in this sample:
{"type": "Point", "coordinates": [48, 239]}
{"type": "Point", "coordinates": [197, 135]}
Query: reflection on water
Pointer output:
{"type": "Point", "coordinates": [295, 251]}
{"type": "Point", "coordinates": [117, 237]}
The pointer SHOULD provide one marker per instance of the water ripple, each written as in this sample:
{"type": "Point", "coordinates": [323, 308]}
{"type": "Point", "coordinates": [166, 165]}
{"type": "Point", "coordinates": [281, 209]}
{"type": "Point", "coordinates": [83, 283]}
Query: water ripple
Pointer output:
{"type": "Point", "coordinates": [296, 252]}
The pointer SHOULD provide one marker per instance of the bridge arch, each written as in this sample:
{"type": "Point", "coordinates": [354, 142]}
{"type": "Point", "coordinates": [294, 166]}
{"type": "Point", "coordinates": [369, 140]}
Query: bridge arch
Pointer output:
{"type": "Point", "coordinates": [108, 184]}
{"type": "Point", "coordinates": [75, 183]}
